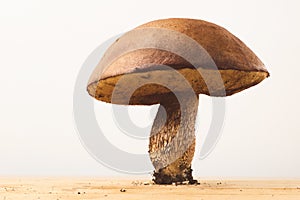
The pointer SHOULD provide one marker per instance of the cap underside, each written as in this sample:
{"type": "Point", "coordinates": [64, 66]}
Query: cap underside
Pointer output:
{"type": "Point", "coordinates": [151, 87]}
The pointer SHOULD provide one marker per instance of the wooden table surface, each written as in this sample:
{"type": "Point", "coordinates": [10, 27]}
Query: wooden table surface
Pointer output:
{"type": "Point", "coordinates": [100, 188]}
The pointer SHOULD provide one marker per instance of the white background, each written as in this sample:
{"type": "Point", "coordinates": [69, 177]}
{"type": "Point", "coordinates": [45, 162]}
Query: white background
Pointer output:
{"type": "Point", "coordinates": [44, 43]}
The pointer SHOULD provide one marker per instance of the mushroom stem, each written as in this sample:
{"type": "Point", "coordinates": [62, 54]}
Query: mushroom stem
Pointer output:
{"type": "Point", "coordinates": [172, 139]}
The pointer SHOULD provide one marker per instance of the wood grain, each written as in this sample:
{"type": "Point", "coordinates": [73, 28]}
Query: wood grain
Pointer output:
{"type": "Point", "coordinates": [100, 188]}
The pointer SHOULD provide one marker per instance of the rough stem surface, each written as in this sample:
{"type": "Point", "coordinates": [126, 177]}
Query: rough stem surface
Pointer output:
{"type": "Point", "coordinates": [172, 139]}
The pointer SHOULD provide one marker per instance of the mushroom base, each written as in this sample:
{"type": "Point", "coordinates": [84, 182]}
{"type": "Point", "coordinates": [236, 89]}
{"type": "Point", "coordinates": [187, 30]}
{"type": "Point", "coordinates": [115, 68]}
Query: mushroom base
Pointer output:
{"type": "Point", "coordinates": [172, 139]}
{"type": "Point", "coordinates": [165, 179]}
{"type": "Point", "coordinates": [178, 171]}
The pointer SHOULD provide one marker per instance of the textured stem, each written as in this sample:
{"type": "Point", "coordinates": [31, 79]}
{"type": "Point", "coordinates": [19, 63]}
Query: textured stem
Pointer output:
{"type": "Point", "coordinates": [172, 139]}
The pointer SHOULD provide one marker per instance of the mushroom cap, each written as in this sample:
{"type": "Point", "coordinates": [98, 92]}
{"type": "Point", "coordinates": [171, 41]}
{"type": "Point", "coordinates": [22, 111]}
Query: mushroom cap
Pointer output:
{"type": "Point", "coordinates": [147, 64]}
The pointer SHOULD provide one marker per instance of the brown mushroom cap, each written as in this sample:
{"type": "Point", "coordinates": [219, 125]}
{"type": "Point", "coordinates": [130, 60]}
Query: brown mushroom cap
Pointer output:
{"type": "Point", "coordinates": [142, 77]}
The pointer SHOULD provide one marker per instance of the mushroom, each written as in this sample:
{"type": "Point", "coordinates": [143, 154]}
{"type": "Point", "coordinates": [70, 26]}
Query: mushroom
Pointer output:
{"type": "Point", "coordinates": [158, 63]}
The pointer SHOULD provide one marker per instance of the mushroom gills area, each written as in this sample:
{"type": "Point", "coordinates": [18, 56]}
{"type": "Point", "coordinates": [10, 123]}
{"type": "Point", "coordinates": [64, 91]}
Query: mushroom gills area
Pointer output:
{"type": "Point", "coordinates": [144, 88]}
{"type": "Point", "coordinates": [172, 140]}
